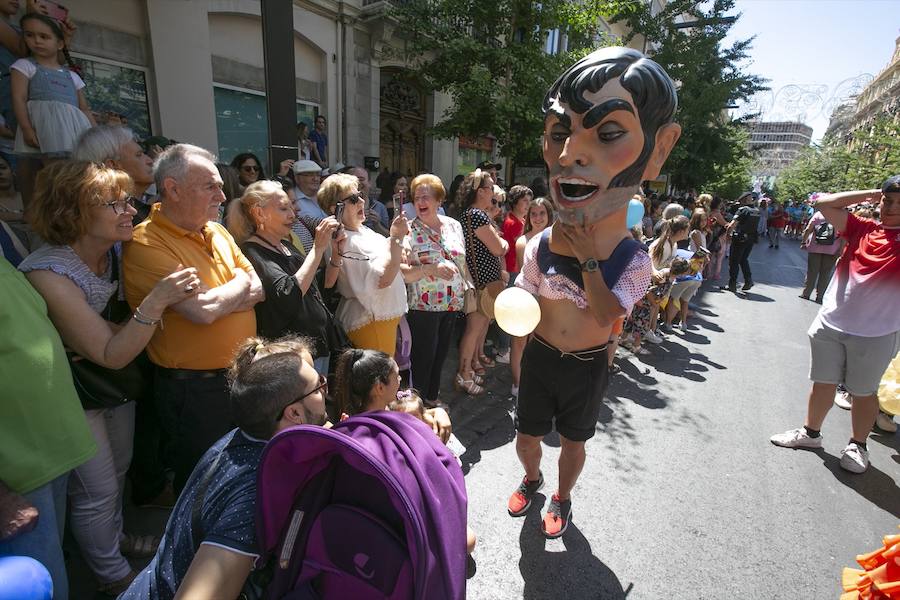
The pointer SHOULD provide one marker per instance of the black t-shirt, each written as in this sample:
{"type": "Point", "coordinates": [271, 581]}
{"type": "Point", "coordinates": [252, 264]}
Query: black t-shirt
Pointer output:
{"type": "Point", "coordinates": [747, 222]}
{"type": "Point", "coordinates": [286, 308]}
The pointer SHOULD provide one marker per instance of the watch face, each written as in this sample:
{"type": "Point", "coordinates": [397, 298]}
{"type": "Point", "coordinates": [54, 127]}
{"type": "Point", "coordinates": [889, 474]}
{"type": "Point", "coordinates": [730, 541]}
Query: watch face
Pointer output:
{"type": "Point", "coordinates": [590, 264]}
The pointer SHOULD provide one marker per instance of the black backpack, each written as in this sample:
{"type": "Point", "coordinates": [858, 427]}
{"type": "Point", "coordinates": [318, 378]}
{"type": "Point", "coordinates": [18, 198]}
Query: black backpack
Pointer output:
{"type": "Point", "coordinates": [824, 233]}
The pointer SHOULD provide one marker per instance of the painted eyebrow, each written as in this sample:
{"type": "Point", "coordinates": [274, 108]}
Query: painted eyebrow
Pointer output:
{"type": "Point", "coordinates": [561, 115]}
{"type": "Point", "coordinates": [599, 112]}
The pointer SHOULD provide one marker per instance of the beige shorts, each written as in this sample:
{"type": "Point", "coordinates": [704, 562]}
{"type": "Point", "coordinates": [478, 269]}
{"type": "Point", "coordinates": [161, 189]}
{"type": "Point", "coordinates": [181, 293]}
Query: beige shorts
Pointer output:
{"type": "Point", "coordinates": [857, 362]}
{"type": "Point", "coordinates": [685, 290]}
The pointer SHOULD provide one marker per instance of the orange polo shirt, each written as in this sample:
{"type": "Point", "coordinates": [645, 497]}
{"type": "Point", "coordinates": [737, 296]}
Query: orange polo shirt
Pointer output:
{"type": "Point", "coordinates": [156, 250]}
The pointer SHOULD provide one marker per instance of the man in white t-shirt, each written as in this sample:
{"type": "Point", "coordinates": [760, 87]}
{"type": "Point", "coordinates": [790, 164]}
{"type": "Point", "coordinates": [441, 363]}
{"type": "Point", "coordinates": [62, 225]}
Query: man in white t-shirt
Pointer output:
{"type": "Point", "coordinates": [857, 331]}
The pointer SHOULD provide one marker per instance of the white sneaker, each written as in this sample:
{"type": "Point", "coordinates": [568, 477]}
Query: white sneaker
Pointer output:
{"type": "Point", "coordinates": [843, 400]}
{"type": "Point", "coordinates": [885, 422]}
{"type": "Point", "coordinates": [651, 337]}
{"type": "Point", "coordinates": [502, 358]}
{"type": "Point", "coordinates": [514, 391]}
{"type": "Point", "coordinates": [796, 438]}
{"type": "Point", "coordinates": [854, 458]}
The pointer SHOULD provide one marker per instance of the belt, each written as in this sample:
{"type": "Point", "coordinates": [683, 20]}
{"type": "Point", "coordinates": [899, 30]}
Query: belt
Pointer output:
{"type": "Point", "coordinates": [585, 355]}
{"type": "Point", "coordinates": [189, 373]}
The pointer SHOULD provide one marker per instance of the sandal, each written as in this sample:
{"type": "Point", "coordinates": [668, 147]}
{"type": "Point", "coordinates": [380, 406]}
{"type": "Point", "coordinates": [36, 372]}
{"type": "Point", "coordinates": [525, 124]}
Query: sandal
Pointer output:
{"type": "Point", "coordinates": [478, 370]}
{"type": "Point", "coordinates": [138, 546]}
{"type": "Point", "coordinates": [487, 362]}
{"type": "Point", "coordinates": [467, 385]}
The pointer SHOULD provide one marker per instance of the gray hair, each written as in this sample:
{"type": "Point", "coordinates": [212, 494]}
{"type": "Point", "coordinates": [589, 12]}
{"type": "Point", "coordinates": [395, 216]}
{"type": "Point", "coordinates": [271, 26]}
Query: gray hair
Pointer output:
{"type": "Point", "coordinates": [672, 210]}
{"type": "Point", "coordinates": [102, 143]}
{"type": "Point", "coordinates": [175, 161]}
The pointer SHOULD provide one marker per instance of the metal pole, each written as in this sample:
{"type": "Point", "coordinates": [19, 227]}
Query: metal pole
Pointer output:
{"type": "Point", "coordinates": [281, 83]}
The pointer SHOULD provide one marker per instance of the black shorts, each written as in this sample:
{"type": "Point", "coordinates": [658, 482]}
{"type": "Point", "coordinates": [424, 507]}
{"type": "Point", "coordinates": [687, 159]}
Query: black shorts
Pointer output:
{"type": "Point", "coordinates": [565, 386]}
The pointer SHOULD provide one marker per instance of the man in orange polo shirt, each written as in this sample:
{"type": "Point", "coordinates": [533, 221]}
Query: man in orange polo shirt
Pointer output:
{"type": "Point", "coordinates": [200, 334]}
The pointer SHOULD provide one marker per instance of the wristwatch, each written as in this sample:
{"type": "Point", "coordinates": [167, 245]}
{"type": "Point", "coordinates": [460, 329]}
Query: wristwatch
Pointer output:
{"type": "Point", "coordinates": [590, 265]}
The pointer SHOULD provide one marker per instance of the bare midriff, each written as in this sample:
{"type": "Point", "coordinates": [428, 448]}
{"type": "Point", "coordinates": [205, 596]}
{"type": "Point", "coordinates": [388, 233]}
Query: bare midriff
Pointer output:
{"type": "Point", "coordinates": [568, 327]}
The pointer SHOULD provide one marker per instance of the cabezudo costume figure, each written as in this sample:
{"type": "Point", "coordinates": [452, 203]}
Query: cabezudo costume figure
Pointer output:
{"type": "Point", "coordinates": [608, 126]}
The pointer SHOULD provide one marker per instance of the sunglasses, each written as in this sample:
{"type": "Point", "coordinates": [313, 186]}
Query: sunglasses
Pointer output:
{"type": "Point", "coordinates": [121, 205]}
{"type": "Point", "coordinates": [322, 387]}
{"type": "Point", "coordinates": [254, 168]}
{"type": "Point", "coordinates": [354, 199]}
{"type": "Point", "coordinates": [494, 201]}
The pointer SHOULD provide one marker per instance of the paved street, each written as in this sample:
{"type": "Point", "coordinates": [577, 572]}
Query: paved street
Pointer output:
{"type": "Point", "coordinates": [683, 496]}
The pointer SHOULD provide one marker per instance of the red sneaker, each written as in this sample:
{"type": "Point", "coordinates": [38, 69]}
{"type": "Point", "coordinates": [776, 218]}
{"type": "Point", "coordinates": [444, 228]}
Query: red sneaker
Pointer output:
{"type": "Point", "coordinates": [520, 501]}
{"type": "Point", "coordinates": [557, 518]}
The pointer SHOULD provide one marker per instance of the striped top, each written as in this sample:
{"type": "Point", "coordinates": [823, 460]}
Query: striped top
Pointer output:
{"type": "Point", "coordinates": [62, 260]}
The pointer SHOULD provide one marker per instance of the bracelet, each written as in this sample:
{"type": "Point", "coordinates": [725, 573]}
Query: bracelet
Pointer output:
{"type": "Point", "coordinates": [144, 319]}
{"type": "Point", "coordinates": [337, 266]}
{"type": "Point", "coordinates": [398, 241]}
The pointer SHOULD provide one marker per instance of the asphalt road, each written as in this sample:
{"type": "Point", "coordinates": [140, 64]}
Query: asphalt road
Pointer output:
{"type": "Point", "coordinates": [682, 496]}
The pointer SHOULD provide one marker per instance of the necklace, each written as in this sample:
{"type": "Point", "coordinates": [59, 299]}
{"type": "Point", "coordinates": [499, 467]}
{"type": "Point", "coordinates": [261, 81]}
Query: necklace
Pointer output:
{"type": "Point", "coordinates": [279, 248]}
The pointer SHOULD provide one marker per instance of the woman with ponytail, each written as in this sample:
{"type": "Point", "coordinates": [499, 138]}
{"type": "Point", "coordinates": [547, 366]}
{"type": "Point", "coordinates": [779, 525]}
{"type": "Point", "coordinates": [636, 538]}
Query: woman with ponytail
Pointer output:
{"type": "Point", "coordinates": [260, 222]}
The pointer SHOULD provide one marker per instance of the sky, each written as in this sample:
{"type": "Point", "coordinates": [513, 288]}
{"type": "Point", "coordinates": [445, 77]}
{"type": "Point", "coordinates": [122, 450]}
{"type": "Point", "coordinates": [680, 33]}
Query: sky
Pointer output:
{"type": "Point", "coordinates": [814, 52]}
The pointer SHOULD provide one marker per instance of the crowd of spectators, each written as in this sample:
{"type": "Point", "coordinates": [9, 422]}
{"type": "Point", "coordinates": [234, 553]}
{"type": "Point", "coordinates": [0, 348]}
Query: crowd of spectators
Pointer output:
{"type": "Point", "coordinates": [222, 299]}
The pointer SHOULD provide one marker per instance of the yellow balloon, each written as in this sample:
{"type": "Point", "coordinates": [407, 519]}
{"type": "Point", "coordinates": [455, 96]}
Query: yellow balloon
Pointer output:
{"type": "Point", "coordinates": [889, 390]}
{"type": "Point", "coordinates": [517, 312]}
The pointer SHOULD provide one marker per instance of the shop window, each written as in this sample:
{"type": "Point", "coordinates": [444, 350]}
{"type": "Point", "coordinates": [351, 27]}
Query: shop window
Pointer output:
{"type": "Point", "coordinates": [116, 93]}
{"type": "Point", "coordinates": [242, 122]}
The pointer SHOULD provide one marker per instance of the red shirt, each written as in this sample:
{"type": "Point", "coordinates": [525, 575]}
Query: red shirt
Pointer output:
{"type": "Point", "coordinates": [512, 229]}
{"type": "Point", "coordinates": [777, 219]}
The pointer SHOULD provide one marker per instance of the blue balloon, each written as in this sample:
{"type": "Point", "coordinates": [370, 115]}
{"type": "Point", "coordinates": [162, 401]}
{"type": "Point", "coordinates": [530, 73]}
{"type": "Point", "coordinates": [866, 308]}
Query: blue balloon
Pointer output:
{"type": "Point", "coordinates": [23, 578]}
{"type": "Point", "coordinates": [635, 213]}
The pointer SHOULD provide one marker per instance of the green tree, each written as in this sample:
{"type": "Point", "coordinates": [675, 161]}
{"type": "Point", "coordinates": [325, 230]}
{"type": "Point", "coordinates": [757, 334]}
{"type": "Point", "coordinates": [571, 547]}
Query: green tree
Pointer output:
{"type": "Point", "coordinates": [732, 173]}
{"type": "Point", "coordinates": [490, 58]}
{"type": "Point", "coordinates": [709, 78]}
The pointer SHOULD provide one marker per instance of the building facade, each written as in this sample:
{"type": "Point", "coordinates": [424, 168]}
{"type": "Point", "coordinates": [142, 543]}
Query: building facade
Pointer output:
{"type": "Point", "coordinates": [881, 98]}
{"type": "Point", "coordinates": [775, 145]}
{"type": "Point", "coordinates": [193, 71]}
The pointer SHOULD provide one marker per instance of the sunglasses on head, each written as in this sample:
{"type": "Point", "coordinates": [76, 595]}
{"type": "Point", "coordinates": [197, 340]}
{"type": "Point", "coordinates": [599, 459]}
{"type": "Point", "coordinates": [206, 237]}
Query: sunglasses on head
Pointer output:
{"type": "Point", "coordinates": [354, 199]}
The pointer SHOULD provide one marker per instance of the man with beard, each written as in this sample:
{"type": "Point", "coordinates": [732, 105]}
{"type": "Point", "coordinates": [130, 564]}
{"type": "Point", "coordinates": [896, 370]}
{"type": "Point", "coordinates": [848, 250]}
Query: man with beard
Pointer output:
{"type": "Point", "coordinates": [607, 127]}
{"type": "Point", "coordinates": [210, 546]}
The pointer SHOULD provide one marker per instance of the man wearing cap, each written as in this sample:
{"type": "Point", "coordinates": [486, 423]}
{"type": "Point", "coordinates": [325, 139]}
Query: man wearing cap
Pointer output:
{"type": "Point", "coordinates": [307, 177]}
{"type": "Point", "coordinates": [857, 331]}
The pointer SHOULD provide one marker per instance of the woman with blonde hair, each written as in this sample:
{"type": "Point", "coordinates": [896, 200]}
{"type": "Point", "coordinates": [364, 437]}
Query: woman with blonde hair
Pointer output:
{"type": "Point", "coordinates": [84, 211]}
{"type": "Point", "coordinates": [484, 247]}
{"type": "Point", "coordinates": [661, 251]}
{"type": "Point", "coordinates": [365, 267]}
{"type": "Point", "coordinates": [260, 222]}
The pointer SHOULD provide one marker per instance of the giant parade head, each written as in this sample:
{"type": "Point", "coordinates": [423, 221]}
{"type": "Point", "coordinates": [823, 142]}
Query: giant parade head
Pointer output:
{"type": "Point", "coordinates": [608, 126]}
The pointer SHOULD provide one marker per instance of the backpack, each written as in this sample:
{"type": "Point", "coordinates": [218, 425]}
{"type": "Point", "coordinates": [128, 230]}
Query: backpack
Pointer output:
{"type": "Point", "coordinates": [373, 508]}
{"type": "Point", "coordinates": [824, 233]}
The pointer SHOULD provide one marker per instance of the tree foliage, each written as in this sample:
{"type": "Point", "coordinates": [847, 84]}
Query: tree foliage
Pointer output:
{"type": "Point", "coordinates": [710, 79]}
{"type": "Point", "coordinates": [871, 156]}
{"type": "Point", "coordinates": [732, 173]}
{"type": "Point", "coordinates": [490, 58]}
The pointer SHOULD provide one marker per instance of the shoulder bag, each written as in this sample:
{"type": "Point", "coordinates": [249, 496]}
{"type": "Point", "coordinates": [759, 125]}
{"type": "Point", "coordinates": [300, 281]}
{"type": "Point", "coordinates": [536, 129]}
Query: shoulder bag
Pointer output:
{"type": "Point", "coordinates": [99, 387]}
{"type": "Point", "coordinates": [485, 293]}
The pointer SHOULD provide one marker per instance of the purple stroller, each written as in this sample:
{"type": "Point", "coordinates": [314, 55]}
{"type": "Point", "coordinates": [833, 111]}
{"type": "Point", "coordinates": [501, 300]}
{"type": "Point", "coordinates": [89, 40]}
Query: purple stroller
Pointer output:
{"type": "Point", "coordinates": [373, 508]}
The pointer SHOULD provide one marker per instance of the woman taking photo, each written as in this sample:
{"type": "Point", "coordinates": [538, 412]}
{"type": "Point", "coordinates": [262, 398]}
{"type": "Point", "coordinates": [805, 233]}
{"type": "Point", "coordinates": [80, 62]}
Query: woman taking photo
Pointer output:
{"type": "Point", "coordinates": [435, 284]}
{"type": "Point", "coordinates": [484, 247]}
{"type": "Point", "coordinates": [365, 268]}
{"type": "Point", "coordinates": [83, 210]}
{"type": "Point", "coordinates": [537, 219]}
{"type": "Point", "coordinates": [260, 222]}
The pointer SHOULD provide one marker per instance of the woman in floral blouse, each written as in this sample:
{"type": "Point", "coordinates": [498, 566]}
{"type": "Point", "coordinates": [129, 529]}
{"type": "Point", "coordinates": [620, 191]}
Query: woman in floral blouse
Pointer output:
{"type": "Point", "coordinates": [435, 283]}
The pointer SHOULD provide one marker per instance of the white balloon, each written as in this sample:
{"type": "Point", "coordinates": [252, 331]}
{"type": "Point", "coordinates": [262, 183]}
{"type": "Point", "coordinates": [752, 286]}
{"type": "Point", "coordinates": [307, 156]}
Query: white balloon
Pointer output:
{"type": "Point", "coordinates": [517, 312]}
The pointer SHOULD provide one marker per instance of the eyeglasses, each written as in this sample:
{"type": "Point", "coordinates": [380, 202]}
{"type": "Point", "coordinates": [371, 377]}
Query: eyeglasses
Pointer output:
{"type": "Point", "coordinates": [322, 387]}
{"type": "Point", "coordinates": [254, 168]}
{"type": "Point", "coordinates": [354, 199]}
{"type": "Point", "coordinates": [121, 205]}
{"type": "Point", "coordinates": [494, 201]}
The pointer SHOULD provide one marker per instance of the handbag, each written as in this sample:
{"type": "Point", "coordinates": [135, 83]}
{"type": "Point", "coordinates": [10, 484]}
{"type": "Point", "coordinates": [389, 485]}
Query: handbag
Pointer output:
{"type": "Point", "coordinates": [99, 387]}
{"type": "Point", "coordinates": [485, 294]}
